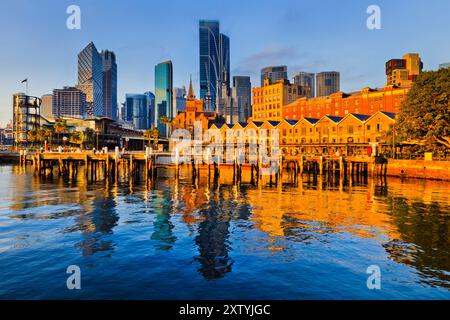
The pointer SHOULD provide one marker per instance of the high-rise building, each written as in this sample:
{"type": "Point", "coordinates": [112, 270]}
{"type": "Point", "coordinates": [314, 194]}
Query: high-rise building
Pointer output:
{"type": "Point", "coordinates": [214, 48]}
{"type": "Point", "coordinates": [109, 84]}
{"type": "Point", "coordinates": [444, 65]}
{"type": "Point", "coordinates": [163, 96]}
{"type": "Point", "coordinates": [90, 79]}
{"type": "Point", "coordinates": [137, 111]}
{"type": "Point", "coordinates": [150, 108]}
{"type": "Point", "coordinates": [69, 102]}
{"type": "Point", "coordinates": [307, 81]}
{"type": "Point", "coordinates": [242, 97]}
{"type": "Point", "coordinates": [47, 106]}
{"type": "Point", "coordinates": [327, 83]}
{"type": "Point", "coordinates": [26, 117]}
{"type": "Point", "coordinates": [225, 60]}
{"type": "Point", "coordinates": [403, 72]}
{"type": "Point", "coordinates": [225, 106]}
{"type": "Point", "coordinates": [179, 100]}
{"type": "Point", "coordinates": [273, 74]}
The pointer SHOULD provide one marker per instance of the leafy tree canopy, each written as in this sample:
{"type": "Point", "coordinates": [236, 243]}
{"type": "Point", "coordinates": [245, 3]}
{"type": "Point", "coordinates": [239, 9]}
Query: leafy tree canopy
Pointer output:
{"type": "Point", "coordinates": [425, 114]}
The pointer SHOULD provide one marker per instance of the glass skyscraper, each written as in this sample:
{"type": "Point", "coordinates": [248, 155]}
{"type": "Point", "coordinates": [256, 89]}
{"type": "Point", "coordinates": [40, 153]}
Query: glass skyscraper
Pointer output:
{"type": "Point", "coordinates": [137, 112]}
{"type": "Point", "coordinates": [242, 97]}
{"type": "Point", "coordinates": [214, 49]}
{"type": "Point", "coordinates": [307, 81]}
{"type": "Point", "coordinates": [90, 79]}
{"type": "Point", "coordinates": [163, 95]}
{"type": "Point", "coordinates": [109, 84]}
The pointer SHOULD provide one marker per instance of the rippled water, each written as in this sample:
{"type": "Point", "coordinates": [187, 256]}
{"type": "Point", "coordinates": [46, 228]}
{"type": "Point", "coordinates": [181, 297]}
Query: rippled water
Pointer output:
{"type": "Point", "coordinates": [179, 240]}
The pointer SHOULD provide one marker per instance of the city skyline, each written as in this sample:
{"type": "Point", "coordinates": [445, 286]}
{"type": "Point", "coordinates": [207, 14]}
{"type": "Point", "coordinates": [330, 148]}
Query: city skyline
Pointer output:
{"type": "Point", "coordinates": [253, 49]}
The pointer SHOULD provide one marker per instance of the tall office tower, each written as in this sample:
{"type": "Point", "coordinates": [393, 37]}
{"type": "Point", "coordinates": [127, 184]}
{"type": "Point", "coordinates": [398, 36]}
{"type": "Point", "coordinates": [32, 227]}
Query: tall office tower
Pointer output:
{"type": "Point", "coordinates": [225, 104]}
{"type": "Point", "coordinates": [150, 108]}
{"type": "Point", "coordinates": [327, 83]}
{"type": "Point", "coordinates": [403, 72]}
{"type": "Point", "coordinates": [90, 79]}
{"type": "Point", "coordinates": [273, 73]}
{"type": "Point", "coordinates": [47, 106]}
{"type": "Point", "coordinates": [444, 65]}
{"type": "Point", "coordinates": [242, 96]}
{"type": "Point", "coordinates": [109, 84]}
{"type": "Point", "coordinates": [179, 100]}
{"type": "Point", "coordinates": [69, 102]}
{"type": "Point", "coordinates": [225, 60]}
{"type": "Point", "coordinates": [163, 96]}
{"type": "Point", "coordinates": [210, 57]}
{"type": "Point", "coordinates": [136, 106]}
{"type": "Point", "coordinates": [307, 81]}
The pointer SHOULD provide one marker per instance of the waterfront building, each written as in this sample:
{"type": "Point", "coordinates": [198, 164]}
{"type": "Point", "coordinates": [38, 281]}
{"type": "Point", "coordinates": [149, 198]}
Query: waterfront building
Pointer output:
{"type": "Point", "coordinates": [68, 102]}
{"type": "Point", "coordinates": [137, 110]}
{"type": "Point", "coordinates": [327, 83]}
{"type": "Point", "coordinates": [109, 84]}
{"type": "Point", "coordinates": [444, 65]}
{"type": "Point", "coordinates": [268, 101]}
{"type": "Point", "coordinates": [273, 74]}
{"type": "Point", "coordinates": [179, 100]}
{"type": "Point", "coordinates": [349, 135]}
{"type": "Point", "coordinates": [26, 117]}
{"type": "Point", "coordinates": [242, 97]}
{"type": "Point", "coordinates": [47, 106]}
{"type": "Point", "coordinates": [307, 81]}
{"type": "Point", "coordinates": [195, 113]}
{"type": "Point", "coordinates": [365, 101]}
{"type": "Point", "coordinates": [403, 72]}
{"type": "Point", "coordinates": [7, 135]}
{"type": "Point", "coordinates": [163, 96]}
{"type": "Point", "coordinates": [90, 79]}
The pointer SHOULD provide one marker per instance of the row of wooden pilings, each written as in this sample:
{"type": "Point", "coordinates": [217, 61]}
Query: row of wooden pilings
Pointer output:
{"type": "Point", "coordinates": [135, 166]}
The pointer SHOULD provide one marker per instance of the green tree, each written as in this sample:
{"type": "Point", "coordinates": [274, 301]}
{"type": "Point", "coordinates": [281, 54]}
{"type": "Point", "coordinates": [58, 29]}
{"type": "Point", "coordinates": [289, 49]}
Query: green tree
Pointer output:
{"type": "Point", "coordinates": [167, 121]}
{"type": "Point", "coordinates": [60, 127]}
{"type": "Point", "coordinates": [151, 135]}
{"type": "Point", "coordinates": [424, 119]}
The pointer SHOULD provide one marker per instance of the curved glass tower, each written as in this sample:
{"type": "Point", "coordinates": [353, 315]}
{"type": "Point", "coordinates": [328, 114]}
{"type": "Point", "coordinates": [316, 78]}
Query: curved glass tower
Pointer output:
{"type": "Point", "coordinates": [163, 95]}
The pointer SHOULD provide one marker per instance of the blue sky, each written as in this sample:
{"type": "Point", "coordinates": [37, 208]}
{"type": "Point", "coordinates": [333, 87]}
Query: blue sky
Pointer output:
{"type": "Point", "coordinates": [308, 35]}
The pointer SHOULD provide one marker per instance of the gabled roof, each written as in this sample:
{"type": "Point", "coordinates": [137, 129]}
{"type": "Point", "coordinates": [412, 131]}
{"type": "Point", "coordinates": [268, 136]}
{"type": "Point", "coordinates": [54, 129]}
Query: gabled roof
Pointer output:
{"type": "Point", "coordinates": [311, 120]}
{"type": "Point", "coordinates": [362, 117]}
{"type": "Point", "coordinates": [333, 118]}
{"type": "Point", "coordinates": [218, 125]}
{"type": "Point", "coordinates": [243, 124]}
{"type": "Point", "coordinates": [258, 123]}
{"type": "Point", "coordinates": [291, 122]}
{"type": "Point", "coordinates": [273, 123]}
{"type": "Point", "coordinates": [389, 114]}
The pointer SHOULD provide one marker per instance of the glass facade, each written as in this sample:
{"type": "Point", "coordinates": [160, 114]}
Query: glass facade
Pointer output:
{"type": "Point", "coordinates": [307, 82]}
{"type": "Point", "coordinates": [209, 42]}
{"type": "Point", "coordinates": [90, 79]}
{"type": "Point", "coordinates": [242, 97]}
{"type": "Point", "coordinates": [225, 59]}
{"type": "Point", "coordinates": [109, 84]}
{"type": "Point", "coordinates": [163, 96]}
{"type": "Point", "coordinates": [273, 74]}
{"type": "Point", "coordinates": [137, 112]}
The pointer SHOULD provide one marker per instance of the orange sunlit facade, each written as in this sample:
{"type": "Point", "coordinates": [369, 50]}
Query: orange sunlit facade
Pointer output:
{"type": "Point", "coordinates": [367, 101]}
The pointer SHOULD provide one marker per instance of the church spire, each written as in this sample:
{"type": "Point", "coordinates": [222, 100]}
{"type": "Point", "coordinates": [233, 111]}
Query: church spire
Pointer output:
{"type": "Point", "coordinates": [191, 95]}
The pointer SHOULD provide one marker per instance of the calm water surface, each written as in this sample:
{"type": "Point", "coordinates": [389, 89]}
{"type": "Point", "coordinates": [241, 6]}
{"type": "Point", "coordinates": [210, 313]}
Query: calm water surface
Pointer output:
{"type": "Point", "coordinates": [179, 240]}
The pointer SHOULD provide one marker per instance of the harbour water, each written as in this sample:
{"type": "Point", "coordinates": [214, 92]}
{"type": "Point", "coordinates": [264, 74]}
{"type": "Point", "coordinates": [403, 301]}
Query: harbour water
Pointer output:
{"type": "Point", "coordinates": [184, 240]}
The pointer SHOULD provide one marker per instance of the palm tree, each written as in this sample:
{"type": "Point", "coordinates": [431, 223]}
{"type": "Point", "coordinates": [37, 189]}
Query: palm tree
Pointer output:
{"type": "Point", "coordinates": [40, 135]}
{"type": "Point", "coordinates": [88, 136]}
{"type": "Point", "coordinates": [167, 121]}
{"type": "Point", "coordinates": [151, 135]}
{"type": "Point", "coordinates": [49, 135]}
{"type": "Point", "coordinates": [77, 137]}
{"type": "Point", "coordinates": [60, 127]}
{"type": "Point", "coordinates": [31, 135]}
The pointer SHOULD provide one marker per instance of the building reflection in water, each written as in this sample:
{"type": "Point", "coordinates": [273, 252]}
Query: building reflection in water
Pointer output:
{"type": "Point", "coordinates": [410, 219]}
